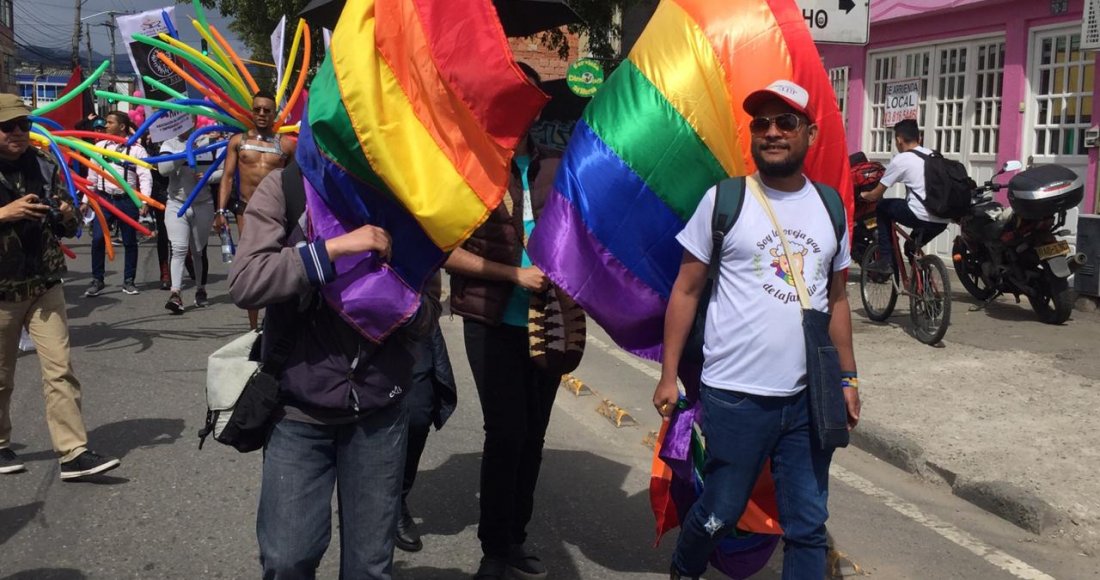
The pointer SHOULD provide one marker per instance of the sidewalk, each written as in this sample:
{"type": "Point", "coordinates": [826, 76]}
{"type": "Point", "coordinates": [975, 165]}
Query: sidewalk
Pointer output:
{"type": "Point", "coordinates": [1002, 412]}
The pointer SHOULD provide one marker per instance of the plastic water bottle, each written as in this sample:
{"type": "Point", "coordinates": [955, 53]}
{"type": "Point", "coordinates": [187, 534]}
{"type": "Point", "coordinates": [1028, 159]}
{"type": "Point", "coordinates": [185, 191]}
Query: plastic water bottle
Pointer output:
{"type": "Point", "coordinates": [228, 247]}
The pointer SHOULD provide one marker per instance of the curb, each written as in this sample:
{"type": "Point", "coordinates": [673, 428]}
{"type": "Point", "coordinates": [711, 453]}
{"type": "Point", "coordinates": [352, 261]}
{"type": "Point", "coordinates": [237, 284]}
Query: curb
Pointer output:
{"type": "Point", "coordinates": [1002, 499]}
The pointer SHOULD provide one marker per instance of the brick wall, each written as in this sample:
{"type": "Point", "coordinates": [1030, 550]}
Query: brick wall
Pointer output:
{"type": "Point", "coordinates": [543, 60]}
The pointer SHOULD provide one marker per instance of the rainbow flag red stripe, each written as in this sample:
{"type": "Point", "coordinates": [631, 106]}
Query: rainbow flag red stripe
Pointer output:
{"type": "Point", "coordinates": [412, 121]}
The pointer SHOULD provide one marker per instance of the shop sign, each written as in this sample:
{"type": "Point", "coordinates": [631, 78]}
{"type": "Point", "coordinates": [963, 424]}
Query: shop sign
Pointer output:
{"type": "Point", "coordinates": [902, 101]}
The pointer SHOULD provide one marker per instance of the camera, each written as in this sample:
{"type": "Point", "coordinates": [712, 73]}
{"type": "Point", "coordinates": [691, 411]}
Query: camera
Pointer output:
{"type": "Point", "coordinates": [55, 220]}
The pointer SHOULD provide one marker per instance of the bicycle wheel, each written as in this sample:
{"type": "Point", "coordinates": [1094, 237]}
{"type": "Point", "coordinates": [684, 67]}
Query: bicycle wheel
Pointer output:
{"type": "Point", "coordinates": [876, 289]}
{"type": "Point", "coordinates": [930, 300]}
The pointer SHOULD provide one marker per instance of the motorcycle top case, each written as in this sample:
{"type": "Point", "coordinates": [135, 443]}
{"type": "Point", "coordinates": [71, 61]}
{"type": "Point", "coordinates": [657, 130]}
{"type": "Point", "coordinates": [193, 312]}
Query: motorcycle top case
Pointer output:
{"type": "Point", "coordinates": [1044, 191]}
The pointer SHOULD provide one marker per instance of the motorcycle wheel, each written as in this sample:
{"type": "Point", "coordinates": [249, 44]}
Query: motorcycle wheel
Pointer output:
{"type": "Point", "coordinates": [1054, 303]}
{"type": "Point", "coordinates": [969, 269]}
{"type": "Point", "coordinates": [930, 301]}
{"type": "Point", "coordinates": [876, 290]}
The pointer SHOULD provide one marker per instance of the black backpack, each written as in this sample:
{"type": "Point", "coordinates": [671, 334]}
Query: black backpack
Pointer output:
{"type": "Point", "coordinates": [948, 189]}
{"type": "Point", "coordinates": [728, 200]}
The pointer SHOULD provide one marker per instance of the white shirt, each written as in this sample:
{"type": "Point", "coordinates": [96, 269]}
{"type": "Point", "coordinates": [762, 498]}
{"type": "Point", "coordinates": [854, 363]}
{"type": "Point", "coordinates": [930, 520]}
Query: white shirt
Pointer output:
{"type": "Point", "coordinates": [139, 178]}
{"type": "Point", "coordinates": [754, 342]}
{"type": "Point", "coordinates": [908, 169]}
{"type": "Point", "coordinates": [181, 178]}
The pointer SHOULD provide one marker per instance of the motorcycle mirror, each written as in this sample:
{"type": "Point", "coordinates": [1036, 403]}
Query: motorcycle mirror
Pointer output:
{"type": "Point", "coordinates": [1013, 165]}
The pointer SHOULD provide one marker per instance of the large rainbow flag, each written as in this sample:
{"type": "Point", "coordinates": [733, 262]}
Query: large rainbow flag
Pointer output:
{"type": "Point", "coordinates": [665, 127]}
{"type": "Point", "coordinates": [411, 125]}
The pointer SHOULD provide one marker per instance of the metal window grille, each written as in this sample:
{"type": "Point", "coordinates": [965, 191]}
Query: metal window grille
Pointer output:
{"type": "Point", "coordinates": [989, 77]}
{"type": "Point", "coordinates": [892, 67]}
{"type": "Point", "coordinates": [1063, 81]}
{"type": "Point", "coordinates": [950, 99]}
{"type": "Point", "coordinates": [839, 78]}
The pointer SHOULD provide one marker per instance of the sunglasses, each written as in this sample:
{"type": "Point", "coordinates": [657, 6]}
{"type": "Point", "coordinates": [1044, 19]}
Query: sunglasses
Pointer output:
{"type": "Point", "coordinates": [259, 110]}
{"type": "Point", "coordinates": [9, 126]}
{"type": "Point", "coordinates": [786, 122]}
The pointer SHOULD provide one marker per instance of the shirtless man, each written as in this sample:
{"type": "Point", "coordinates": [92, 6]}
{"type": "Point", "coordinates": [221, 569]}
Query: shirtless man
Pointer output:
{"type": "Point", "coordinates": [255, 154]}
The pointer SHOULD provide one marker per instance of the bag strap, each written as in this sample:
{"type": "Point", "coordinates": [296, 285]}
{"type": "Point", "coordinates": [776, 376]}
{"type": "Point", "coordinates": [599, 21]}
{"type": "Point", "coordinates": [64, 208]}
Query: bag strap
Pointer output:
{"type": "Point", "coordinates": [729, 197]}
{"type": "Point", "coordinates": [799, 284]}
{"type": "Point", "coordinates": [837, 214]}
{"type": "Point", "coordinates": [294, 192]}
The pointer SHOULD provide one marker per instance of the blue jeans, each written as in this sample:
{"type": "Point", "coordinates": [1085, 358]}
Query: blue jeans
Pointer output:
{"type": "Point", "coordinates": [893, 210]}
{"type": "Point", "coordinates": [129, 240]}
{"type": "Point", "coordinates": [742, 431]}
{"type": "Point", "coordinates": [302, 463]}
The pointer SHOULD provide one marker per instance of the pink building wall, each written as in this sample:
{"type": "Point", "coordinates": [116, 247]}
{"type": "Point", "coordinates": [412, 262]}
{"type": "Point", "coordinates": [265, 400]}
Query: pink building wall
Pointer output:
{"type": "Point", "coordinates": [897, 23]}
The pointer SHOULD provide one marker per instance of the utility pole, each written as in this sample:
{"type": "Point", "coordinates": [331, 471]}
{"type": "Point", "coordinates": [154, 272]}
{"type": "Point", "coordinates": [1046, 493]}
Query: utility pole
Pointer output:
{"type": "Point", "coordinates": [111, 27]}
{"type": "Point", "coordinates": [88, 38]}
{"type": "Point", "coordinates": [76, 34]}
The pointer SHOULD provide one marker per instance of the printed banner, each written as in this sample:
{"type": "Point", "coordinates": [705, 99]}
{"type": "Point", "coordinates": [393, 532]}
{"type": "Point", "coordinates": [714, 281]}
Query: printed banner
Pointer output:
{"type": "Point", "coordinates": [902, 101]}
{"type": "Point", "coordinates": [145, 61]}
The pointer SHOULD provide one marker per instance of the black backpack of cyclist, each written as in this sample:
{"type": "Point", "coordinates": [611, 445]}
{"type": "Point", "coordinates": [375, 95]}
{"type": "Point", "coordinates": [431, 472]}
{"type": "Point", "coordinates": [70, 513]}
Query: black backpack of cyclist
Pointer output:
{"type": "Point", "coordinates": [948, 189]}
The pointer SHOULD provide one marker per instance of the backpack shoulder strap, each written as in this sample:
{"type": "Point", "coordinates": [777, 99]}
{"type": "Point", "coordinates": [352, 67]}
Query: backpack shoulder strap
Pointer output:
{"type": "Point", "coordinates": [294, 192]}
{"type": "Point", "coordinates": [729, 197]}
{"type": "Point", "coordinates": [837, 215]}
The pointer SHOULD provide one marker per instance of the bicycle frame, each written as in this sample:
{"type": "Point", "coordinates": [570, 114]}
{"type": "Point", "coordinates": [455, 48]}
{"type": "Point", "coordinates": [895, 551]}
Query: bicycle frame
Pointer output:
{"type": "Point", "coordinates": [914, 271]}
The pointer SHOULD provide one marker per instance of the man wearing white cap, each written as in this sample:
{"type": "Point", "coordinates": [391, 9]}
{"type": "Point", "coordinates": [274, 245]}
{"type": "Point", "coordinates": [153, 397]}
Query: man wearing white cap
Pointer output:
{"type": "Point", "coordinates": [754, 381]}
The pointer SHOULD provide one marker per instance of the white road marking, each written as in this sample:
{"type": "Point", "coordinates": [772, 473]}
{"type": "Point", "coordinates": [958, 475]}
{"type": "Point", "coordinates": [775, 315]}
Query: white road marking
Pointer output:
{"type": "Point", "coordinates": [631, 360]}
{"type": "Point", "coordinates": [1002, 560]}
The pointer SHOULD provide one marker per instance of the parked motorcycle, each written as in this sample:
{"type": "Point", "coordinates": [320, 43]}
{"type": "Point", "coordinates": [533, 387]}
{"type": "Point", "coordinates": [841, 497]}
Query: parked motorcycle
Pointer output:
{"type": "Point", "coordinates": [865, 176]}
{"type": "Point", "coordinates": [1015, 250]}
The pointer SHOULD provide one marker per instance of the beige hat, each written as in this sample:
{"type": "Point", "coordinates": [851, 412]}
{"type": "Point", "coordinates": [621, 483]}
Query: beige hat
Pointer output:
{"type": "Point", "coordinates": [12, 107]}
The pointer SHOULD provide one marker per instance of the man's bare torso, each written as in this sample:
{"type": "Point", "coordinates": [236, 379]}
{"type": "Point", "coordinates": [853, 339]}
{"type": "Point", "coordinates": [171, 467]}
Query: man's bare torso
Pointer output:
{"type": "Point", "coordinates": [257, 156]}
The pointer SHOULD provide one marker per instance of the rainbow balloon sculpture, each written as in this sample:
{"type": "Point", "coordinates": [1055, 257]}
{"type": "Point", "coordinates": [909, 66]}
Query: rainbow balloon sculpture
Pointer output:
{"type": "Point", "coordinates": [666, 126]}
{"type": "Point", "coordinates": [226, 86]}
{"type": "Point", "coordinates": [69, 149]}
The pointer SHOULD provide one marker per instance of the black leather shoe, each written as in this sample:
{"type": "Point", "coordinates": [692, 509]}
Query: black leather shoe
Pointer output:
{"type": "Point", "coordinates": [674, 574]}
{"type": "Point", "coordinates": [491, 569]}
{"type": "Point", "coordinates": [407, 537]}
{"type": "Point", "coordinates": [524, 564]}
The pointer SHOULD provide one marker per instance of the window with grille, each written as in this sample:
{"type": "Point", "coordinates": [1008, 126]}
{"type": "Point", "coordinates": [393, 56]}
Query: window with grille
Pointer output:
{"type": "Point", "coordinates": [839, 78]}
{"type": "Point", "coordinates": [1062, 87]}
{"type": "Point", "coordinates": [989, 76]}
{"type": "Point", "coordinates": [960, 97]}
{"type": "Point", "coordinates": [6, 13]}
{"type": "Point", "coordinates": [887, 68]}
{"type": "Point", "coordinates": [950, 100]}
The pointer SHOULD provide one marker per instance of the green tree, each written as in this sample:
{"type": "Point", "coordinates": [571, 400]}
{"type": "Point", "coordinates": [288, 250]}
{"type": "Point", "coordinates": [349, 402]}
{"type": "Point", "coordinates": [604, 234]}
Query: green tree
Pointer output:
{"type": "Point", "coordinates": [598, 22]}
{"type": "Point", "coordinates": [255, 20]}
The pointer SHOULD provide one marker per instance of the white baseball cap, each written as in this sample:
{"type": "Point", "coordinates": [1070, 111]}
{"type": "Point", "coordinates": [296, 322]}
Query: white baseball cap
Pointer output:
{"type": "Point", "coordinates": [790, 93]}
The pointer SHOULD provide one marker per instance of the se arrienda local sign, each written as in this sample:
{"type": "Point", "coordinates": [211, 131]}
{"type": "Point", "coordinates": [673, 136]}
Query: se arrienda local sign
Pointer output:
{"type": "Point", "coordinates": [902, 101]}
{"type": "Point", "coordinates": [837, 21]}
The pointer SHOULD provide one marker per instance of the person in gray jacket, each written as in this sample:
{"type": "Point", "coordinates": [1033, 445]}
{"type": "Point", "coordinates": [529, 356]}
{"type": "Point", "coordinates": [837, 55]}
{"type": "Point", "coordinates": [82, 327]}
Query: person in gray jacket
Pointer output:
{"type": "Point", "coordinates": [342, 420]}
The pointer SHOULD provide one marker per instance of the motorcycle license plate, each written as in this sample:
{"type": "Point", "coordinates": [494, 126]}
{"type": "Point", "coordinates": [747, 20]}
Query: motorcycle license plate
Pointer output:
{"type": "Point", "coordinates": [871, 223]}
{"type": "Point", "coordinates": [1053, 250]}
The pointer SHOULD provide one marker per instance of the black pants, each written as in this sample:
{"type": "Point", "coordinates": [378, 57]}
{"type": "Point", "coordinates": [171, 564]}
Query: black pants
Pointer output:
{"type": "Point", "coordinates": [516, 400]}
{"type": "Point", "coordinates": [420, 400]}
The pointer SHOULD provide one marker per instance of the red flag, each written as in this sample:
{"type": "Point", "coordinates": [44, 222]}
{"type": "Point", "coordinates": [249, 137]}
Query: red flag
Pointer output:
{"type": "Point", "coordinates": [72, 112]}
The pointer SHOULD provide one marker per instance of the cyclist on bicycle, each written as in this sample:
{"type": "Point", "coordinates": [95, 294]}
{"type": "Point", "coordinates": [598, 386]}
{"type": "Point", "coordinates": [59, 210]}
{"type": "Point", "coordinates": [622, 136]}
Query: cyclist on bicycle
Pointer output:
{"type": "Point", "coordinates": [906, 168]}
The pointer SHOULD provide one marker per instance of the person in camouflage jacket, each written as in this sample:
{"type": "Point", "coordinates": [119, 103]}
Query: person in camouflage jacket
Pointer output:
{"type": "Point", "coordinates": [33, 214]}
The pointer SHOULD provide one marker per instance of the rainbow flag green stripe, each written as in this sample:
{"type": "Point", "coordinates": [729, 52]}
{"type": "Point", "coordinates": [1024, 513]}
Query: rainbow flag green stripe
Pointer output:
{"type": "Point", "coordinates": [333, 136]}
{"type": "Point", "coordinates": [676, 164]}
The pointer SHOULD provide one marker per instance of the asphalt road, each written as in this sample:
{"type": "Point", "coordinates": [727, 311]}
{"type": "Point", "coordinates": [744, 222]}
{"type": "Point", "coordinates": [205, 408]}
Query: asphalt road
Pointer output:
{"type": "Point", "coordinates": [173, 511]}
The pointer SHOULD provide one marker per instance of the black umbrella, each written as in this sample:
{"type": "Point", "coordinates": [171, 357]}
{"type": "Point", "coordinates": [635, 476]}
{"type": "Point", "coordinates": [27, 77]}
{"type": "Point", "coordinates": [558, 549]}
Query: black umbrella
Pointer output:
{"type": "Point", "coordinates": [519, 17]}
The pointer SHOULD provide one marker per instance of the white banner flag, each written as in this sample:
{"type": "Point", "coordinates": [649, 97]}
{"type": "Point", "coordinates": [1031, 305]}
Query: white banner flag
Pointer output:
{"type": "Point", "coordinates": [277, 39]}
{"type": "Point", "coordinates": [145, 61]}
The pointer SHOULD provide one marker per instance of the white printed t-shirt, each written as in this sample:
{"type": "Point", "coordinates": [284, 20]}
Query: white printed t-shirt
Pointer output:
{"type": "Point", "coordinates": [754, 342]}
{"type": "Point", "coordinates": [908, 169]}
